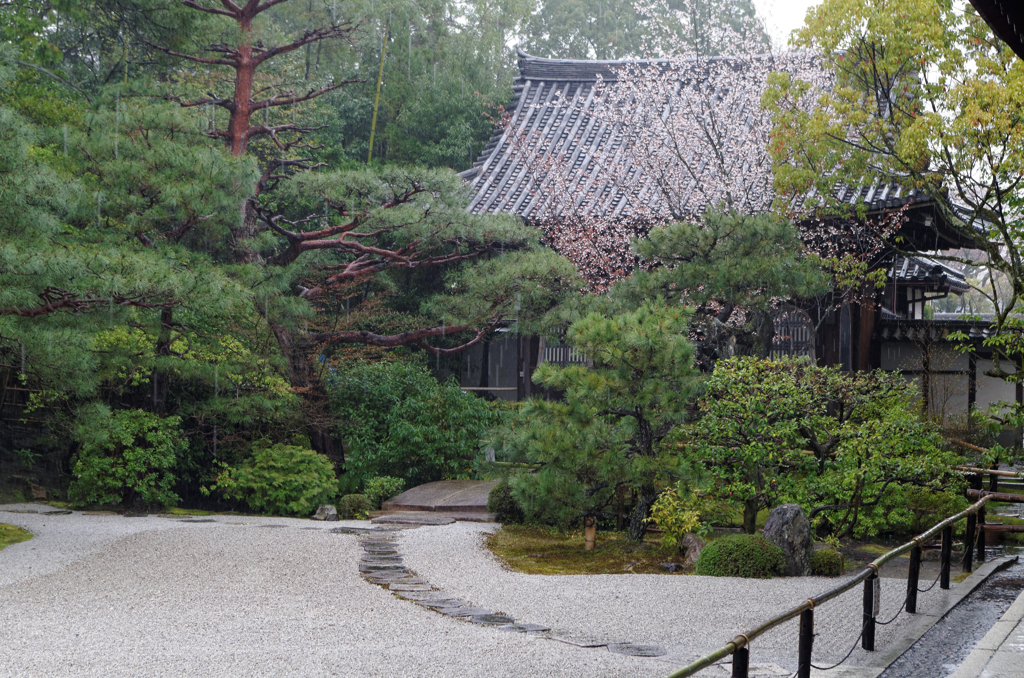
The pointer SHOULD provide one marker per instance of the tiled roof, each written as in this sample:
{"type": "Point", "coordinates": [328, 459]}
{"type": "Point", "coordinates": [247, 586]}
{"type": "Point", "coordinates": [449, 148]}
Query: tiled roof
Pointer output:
{"type": "Point", "coordinates": [923, 270]}
{"type": "Point", "coordinates": [1006, 17]}
{"type": "Point", "coordinates": [550, 110]}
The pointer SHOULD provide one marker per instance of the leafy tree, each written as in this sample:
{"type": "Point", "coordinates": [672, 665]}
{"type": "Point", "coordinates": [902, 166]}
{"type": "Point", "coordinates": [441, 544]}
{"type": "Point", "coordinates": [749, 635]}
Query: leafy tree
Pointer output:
{"type": "Point", "coordinates": [927, 98]}
{"type": "Point", "coordinates": [126, 456]}
{"type": "Point", "coordinates": [620, 29]}
{"type": "Point", "coordinates": [749, 433]}
{"type": "Point", "coordinates": [604, 438]}
{"type": "Point", "coordinates": [398, 421]}
{"type": "Point", "coordinates": [846, 446]}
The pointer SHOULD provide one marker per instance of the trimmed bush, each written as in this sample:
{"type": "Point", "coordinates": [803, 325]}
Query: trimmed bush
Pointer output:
{"type": "Point", "coordinates": [354, 507]}
{"type": "Point", "coordinates": [381, 488]}
{"type": "Point", "coordinates": [281, 480]}
{"type": "Point", "coordinates": [501, 501]}
{"type": "Point", "coordinates": [826, 563]}
{"type": "Point", "coordinates": [126, 456]}
{"type": "Point", "coordinates": [741, 555]}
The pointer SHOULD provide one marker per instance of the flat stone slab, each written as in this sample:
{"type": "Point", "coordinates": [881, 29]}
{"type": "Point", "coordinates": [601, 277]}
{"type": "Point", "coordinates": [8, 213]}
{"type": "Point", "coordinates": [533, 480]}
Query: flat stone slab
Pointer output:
{"type": "Point", "coordinates": [442, 602]}
{"type": "Point", "coordinates": [492, 620]}
{"type": "Point", "coordinates": [422, 596]}
{"type": "Point", "coordinates": [464, 611]}
{"type": "Point", "coordinates": [383, 567]}
{"type": "Point", "coordinates": [414, 518]}
{"type": "Point", "coordinates": [466, 496]}
{"type": "Point", "coordinates": [402, 586]}
{"type": "Point", "coordinates": [584, 641]}
{"type": "Point", "coordinates": [350, 530]}
{"type": "Point", "coordinates": [381, 560]}
{"type": "Point", "coordinates": [523, 628]}
{"type": "Point", "coordinates": [637, 650]}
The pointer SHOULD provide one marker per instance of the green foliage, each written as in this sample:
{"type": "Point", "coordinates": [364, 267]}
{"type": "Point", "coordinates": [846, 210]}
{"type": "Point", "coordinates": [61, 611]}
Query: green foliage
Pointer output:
{"type": "Point", "coordinates": [397, 420]}
{"type": "Point", "coordinates": [866, 440]}
{"type": "Point", "coordinates": [749, 432]}
{"type": "Point", "coordinates": [126, 456]}
{"type": "Point", "coordinates": [280, 480]}
{"type": "Point", "coordinates": [354, 507]}
{"type": "Point", "coordinates": [741, 555]}
{"type": "Point", "coordinates": [725, 260]}
{"type": "Point", "coordinates": [826, 562]}
{"type": "Point", "coordinates": [603, 439]}
{"type": "Point", "coordinates": [503, 502]}
{"type": "Point", "coordinates": [382, 487]}
{"type": "Point", "coordinates": [918, 93]}
{"type": "Point", "coordinates": [676, 515]}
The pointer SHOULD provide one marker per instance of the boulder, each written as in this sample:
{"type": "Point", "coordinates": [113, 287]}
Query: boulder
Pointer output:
{"type": "Point", "coordinates": [326, 512]}
{"type": "Point", "coordinates": [788, 528]}
{"type": "Point", "coordinates": [692, 545]}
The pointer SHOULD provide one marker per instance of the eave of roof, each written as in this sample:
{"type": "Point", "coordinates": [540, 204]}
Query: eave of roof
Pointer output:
{"type": "Point", "coordinates": [1006, 19]}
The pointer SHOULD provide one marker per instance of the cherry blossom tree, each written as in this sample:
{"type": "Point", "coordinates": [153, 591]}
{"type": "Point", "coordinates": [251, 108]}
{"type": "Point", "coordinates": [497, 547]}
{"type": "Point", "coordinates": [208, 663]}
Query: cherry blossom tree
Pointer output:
{"type": "Point", "coordinates": [669, 140]}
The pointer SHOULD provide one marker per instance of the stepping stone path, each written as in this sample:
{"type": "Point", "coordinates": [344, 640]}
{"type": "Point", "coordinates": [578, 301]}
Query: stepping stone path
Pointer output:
{"type": "Point", "coordinates": [382, 564]}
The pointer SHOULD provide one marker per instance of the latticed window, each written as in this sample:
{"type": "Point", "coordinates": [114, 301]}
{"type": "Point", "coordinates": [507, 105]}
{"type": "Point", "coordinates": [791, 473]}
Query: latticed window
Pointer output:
{"type": "Point", "coordinates": [560, 354]}
{"type": "Point", "coordinates": [793, 334]}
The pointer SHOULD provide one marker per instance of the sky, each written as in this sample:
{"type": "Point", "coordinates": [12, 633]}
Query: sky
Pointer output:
{"type": "Point", "coordinates": [782, 16]}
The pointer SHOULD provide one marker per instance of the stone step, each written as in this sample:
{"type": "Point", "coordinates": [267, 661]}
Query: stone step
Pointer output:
{"type": "Point", "coordinates": [449, 496]}
{"type": "Point", "coordinates": [430, 517]}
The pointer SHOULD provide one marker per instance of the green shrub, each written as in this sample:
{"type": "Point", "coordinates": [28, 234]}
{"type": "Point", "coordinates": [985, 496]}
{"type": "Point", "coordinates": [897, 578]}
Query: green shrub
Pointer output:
{"type": "Point", "coordinates": [126, 456]}
{"type": "Point", "coordinates": [354, 507]}
{"type": "Point", "coordinates": [501, 501]}
{"type": "Point", "coordinates": [381, 488]}
{"type": "Point", "coordinates": [280, 479]}
{"type": "Point", "coordinates": [826, 563]}
{"type": "Point", "coordinates": [741, 555]}
{"type": "Point", "coordinates": [676, 514]}
{"type": "Point", "coordinates": [399, 421]}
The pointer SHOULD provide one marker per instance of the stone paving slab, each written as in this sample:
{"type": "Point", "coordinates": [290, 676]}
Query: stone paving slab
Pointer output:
{"type": "Point", "coordinates": [467, 496]}
{"type": "Point", "coordinates": [1000, 654]}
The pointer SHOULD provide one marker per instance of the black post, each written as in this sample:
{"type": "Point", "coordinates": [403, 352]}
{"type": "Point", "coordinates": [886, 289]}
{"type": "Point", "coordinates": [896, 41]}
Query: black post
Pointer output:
{"type": "Point", "coordinates": [972, 521]}
{"type": "Point", "coordinates": [977, 482]}
{"type": "Point", "coordinates": [740, 662]}
{"type": "Point", "coordinates": [981, 535]}
{"type": "Point", "coordinates": [947, 549]}
{"type": "Point", "coordinates": [993, 480]}
{"type": "Point", "coordinates": [803, 669]}
{"type": "Point", "coordinates": [912, 579]}
{"type": "Point", "coordinates": [867, 640]}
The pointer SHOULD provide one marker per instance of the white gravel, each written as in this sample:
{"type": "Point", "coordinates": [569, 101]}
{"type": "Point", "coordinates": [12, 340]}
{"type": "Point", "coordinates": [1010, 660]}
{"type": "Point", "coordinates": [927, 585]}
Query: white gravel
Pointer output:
{"type": "Point", "coordinates": [98, 595]}
{"type": "Point", "coordinates": [687, 615]}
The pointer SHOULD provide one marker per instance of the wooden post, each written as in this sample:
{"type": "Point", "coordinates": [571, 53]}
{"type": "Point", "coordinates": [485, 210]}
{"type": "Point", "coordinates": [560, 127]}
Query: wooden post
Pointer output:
{"type": "Point", "coordinates": [972, 522]}
{"type": "Point", "coordinates": [803, 668]}
{"type": "Point", "coordinates": [867, 640]}
{"type": "Point", "coordinates": [913, 576]}
{"type": "Point", "coordinates": [589, 533]}
{"type": "Point", "coordinates": [981, 535]}
{"type": "Point", "coordinates": [740, 663]}
{"type": "Point", "coordinates": [947, 549]}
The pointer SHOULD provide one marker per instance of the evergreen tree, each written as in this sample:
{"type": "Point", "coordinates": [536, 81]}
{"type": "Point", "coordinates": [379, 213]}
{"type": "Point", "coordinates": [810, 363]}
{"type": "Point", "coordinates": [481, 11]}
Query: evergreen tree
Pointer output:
{"type": "Point", "coordinates": [603, 440]}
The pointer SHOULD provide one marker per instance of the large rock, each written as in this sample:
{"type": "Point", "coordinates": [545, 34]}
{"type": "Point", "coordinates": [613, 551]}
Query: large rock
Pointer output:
{"type": "Point", "coordinates": [326, 512]}
{"type": "Point", "coordinates": [789, 529]}
{"type": "Point", "coordinates": [692, 545]}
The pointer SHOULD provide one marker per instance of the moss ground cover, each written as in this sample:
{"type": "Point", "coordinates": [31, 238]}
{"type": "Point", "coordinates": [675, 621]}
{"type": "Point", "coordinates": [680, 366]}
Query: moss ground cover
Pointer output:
{"type": "Point", "coordinates": [9, 534]}
{"type": "Point", "coordinates": [538, 550]}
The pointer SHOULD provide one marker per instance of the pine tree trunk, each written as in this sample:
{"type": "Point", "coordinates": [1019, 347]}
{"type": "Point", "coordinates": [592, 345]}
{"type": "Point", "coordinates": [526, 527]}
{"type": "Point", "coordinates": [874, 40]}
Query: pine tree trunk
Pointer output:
{"type": "Point", "coordinates": [638, 517]}
{"type": "Point", "coordinates": [315, 402]}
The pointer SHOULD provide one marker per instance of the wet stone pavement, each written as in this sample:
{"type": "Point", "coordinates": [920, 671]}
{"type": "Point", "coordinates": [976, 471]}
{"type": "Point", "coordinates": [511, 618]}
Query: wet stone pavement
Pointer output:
{"type": "Point", "coordinates": [944, 647]}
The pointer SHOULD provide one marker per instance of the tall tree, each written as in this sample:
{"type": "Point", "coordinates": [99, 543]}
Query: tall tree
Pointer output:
{"type": "Point", "coordinates": [925, 97]}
